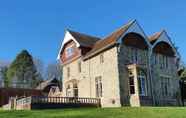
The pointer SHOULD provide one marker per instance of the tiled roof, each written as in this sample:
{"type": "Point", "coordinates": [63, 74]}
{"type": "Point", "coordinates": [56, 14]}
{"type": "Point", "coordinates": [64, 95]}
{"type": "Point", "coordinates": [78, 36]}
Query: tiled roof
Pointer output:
{"type": "Point", "coordinates": [154, 37]}
{"type": "Point", "coordinates": [84, 39]}
{"type": "Point", "coordinates": [99, 44]}
{"type": "Point", "coordinates": [109, 40]}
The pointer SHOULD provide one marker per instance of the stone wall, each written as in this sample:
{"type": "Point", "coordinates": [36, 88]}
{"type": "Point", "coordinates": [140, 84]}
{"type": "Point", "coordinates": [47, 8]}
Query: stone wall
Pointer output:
{"type": "Point", "coordinates": [126, 62]}
{"type": "Point", "coordinates": [173, 84]}
{"type": "Point", "coordinates": [114, 73]}
{"type": "Point", "coordinates": [92, 68]}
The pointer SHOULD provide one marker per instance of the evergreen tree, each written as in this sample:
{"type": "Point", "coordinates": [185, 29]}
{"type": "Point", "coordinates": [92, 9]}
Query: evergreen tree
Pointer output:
{"type": "Point", "coordinates": [22, 72]}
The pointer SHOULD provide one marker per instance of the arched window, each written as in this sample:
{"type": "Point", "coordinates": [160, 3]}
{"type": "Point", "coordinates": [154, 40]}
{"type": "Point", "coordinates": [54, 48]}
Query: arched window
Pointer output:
{"type": "Point", "coordinates": [142, 83]}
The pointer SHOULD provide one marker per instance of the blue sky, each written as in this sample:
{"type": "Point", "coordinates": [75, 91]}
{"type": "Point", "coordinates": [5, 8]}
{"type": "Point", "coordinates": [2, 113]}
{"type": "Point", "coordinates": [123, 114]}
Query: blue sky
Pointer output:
{"type": "Point", "coordinates": [39, 25]}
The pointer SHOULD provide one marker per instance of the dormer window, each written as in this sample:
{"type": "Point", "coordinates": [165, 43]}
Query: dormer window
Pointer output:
{"type": "Point", "coordinates": [69, 51]}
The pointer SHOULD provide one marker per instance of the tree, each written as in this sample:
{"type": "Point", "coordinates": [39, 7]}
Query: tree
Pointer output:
{"type": "Point", "coordinates": [22, 71]}
{"type": "Point", "coordinates": [54, 70]}
{"type": "Point", "coordinates": [39, 66]}
{"type": "Point", "coordinates": [40, 69]}
{"type": "Point", "coordinates": [3, 72]}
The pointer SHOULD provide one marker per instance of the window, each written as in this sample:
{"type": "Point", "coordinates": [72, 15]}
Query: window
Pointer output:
{"type": "Point", "coordinates": [79, 66]}
{"type": "Point", "coordinates": [142, 83]}
{"type": "Point", "coordinates": [134, 54]}
{"type": "Point", "coordinates": [75, 87]}
{"type": "Point", "coordinates": [132, 87]}
{"type": "Point", "coordinates": [155, 59]}
{"type": "Point", "coordinates": [164, 86]}
{"type": "Point", "coordinates": [131, 82]}
{"type": "Point", "coordinates": [68, 71]}
{"type": "Point", "coordinates": [69, 51]}
{"type": "Point", "coordinates": [166, 62]}
{"type": "Point", "coordinates": [163, 61]}
{"type": "Point", "coordinates": [68, 92]}
{"type": "Point", "coordinates": [101, 58]}
{"type": "Point", "coordinates": [98, 83]}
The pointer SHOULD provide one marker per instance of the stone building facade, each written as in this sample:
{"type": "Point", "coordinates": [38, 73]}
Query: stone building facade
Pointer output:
{"type": "Point", "coordinates": [126, 68]}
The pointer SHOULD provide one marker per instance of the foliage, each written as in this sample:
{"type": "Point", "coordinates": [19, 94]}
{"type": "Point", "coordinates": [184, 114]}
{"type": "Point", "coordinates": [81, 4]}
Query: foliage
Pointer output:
{"type": "Point", "coordinates": [4, 75]}
{"type": "Point", "coordinates": [39, 66]}
{"type": "Point", "coordinates": [182, 71]}
{"type": "Point", "coordinates": [54, 70]}
{"type": "Point", "coordinates": [22, 71]}
{"type": "Point", "coordinates": [124, 112]}
{"type": "Point", "coordinates": [182, 74]}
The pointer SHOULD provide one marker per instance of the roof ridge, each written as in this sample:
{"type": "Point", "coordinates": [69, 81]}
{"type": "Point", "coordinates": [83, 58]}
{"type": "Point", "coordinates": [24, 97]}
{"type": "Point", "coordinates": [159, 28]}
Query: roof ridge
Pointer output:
{"type": "Point", "coordinates": [83, 34]}
{"type": "Point", "coordinates": [123, 26]}
{"type": "Point", "coordinates": [157, 33]}
{"type": "Point", "coordinates": [153, 38]}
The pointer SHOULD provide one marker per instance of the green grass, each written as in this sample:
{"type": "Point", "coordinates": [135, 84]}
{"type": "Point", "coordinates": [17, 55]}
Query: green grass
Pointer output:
{"type": "Point", "coordinates": [125, 112]}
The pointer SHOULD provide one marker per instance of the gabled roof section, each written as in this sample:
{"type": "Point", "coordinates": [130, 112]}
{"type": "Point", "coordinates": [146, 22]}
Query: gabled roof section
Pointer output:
{"type": "Point", "coordinates": [79, 38]}
{"type": "Point", "coordinates": [84, 39]}
{"type": "Point", "coordinates": [135, 28]}
{"type": "Point", "coordinates": [163, 37]}
{"type": "Point", "coordinates": [155, 36]}
{"type": "Point", "coordinates": [109, 40]}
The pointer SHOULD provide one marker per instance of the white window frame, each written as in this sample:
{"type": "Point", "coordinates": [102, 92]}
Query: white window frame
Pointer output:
{"type": "Point", "coordinates": [69, 53]}
{"type": "Point", "coordinates": [165, 81]}
{"type": "Point", "coordinates": [101, 58]}
{"type": "Point", "coordinates": [75, 89]}
{"type": "Point", "coordinates": [68, 91]}
{"type": "Point", "coordinates": [140, 84]}
{"type": "Point", "coordinates": [99, 87]}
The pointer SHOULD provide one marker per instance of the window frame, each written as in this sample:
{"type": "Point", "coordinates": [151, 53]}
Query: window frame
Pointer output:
{"type": "Point", "coordinates": [68, 72]}
{"type": "Point", "coordinates": [101, 58]}
{"type": "Point", "coordinates": [69, 51]}
{"type": "Point", "coordinates": [165, 85]}
{"type": "Point", "coordinates": [142, 83]}
{"type": "Point", "coordinates": [75, 90]}
{"type": "Point", "coordinates": [79, 67]}
{"type": "Point", "coordinates": [131, 82]}
{"type": "Point", "coordinates": [99, 86]}
{"type": "Point", "coordinates": [134, 55]}
{"type": "Point", "coordinates": [131, 86]}
{"type": "Point", "coordinates": [68, 91]}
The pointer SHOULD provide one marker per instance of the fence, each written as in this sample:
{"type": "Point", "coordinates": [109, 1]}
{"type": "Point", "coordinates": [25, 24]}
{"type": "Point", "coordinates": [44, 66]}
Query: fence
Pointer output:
{"type": "Point", "coordinates": [42, 102]}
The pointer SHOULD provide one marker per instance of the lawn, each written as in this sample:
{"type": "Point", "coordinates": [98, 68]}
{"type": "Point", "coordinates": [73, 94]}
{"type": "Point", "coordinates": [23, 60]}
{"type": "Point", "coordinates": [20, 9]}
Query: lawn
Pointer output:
{"type": "Point", "coordinates": [125, 112]}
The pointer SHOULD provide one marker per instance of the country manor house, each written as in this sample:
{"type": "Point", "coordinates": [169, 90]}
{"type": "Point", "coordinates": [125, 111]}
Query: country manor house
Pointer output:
{"type": "Point", "coordinates": [124, 68]}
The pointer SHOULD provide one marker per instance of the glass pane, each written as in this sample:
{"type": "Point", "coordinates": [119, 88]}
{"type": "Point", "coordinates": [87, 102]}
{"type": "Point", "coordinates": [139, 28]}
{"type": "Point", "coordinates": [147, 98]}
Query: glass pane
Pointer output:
{"type": "Point", "coordinates": [132, 90]}
{"type": "Point", "coordinates": [142, 86]}
{"type": "Point", "coordinates": [75, 92]}
{"type": "Point", "coordinates": [131, 80]}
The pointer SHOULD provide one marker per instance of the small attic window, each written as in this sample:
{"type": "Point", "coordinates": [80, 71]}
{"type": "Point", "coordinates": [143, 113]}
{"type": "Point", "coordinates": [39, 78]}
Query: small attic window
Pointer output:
{"type": "Point", "coordinates": [69, 51]}
{"type": "Point", "coordinates": [101, 58]}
